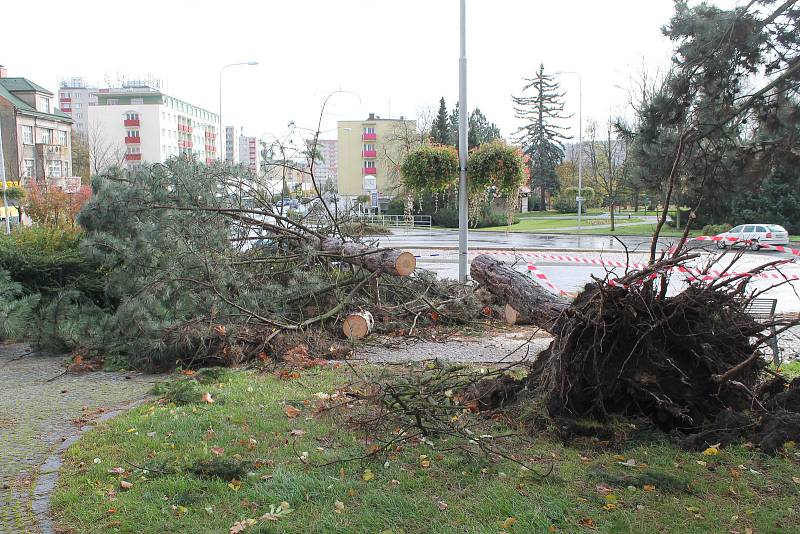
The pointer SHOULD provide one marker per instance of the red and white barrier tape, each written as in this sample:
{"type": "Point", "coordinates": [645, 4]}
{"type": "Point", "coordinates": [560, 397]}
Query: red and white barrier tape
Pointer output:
{"type": "Point", "coordinates": [536, 273]}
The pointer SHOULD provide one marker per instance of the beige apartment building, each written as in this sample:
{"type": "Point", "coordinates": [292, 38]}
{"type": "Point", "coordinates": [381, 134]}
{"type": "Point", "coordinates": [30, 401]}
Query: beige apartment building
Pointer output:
{"type": "Point", "coordinates": [367, 157]}
{"type": "Point", "coordinates": [37, 141]}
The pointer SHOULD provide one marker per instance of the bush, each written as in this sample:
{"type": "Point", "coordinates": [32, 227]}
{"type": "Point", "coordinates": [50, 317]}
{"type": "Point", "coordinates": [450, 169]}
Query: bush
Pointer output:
{"type": "Point", "coordinates": [448, 217]}
{"type": "Point", "coordinates": [565, 201]}
{"type": "Point", "coordinates": [47, 260]}
{"type": "Point", "coordinates": [396, 206]}
{"type": "Point", "coordinates": [714, 229]}
{"type": "Point", "coordinates": [533, 202]}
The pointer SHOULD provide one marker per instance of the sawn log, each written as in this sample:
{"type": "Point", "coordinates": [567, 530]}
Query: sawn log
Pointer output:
{"type": "Point", "coordinates": [525, 296]}
{"type": "Point", "coordinates": [390, 261]}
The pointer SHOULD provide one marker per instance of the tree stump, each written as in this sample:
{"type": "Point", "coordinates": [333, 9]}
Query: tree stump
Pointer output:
{"type": "Point", "coordinates": [390, 261]}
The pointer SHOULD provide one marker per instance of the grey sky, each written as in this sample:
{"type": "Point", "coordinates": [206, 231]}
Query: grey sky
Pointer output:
{"type": "Point", "coordinates": [404, 52]}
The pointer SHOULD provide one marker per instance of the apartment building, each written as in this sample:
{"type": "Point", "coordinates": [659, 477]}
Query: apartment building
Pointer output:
{"type": "Point", "coordinates": [145, 124]}
{"type": "Point", "coordinates": [36, 135]}
{"type": "Point", "coordinates": [232, 135]}
{"type": "Point", "coordinates": [250, 153]}
{"type": "Point", "coordinates": [365, 155]}
{"type": "Point", "coordinates": [326, 167]}
{"type": "Point", "coordinates": [74, 97]}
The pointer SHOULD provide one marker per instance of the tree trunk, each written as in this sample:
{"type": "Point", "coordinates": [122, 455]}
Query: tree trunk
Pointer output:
{"type": "Point", "coordinates": [513, 317]}
{"type": "Point", "coordinates": [358, 325]}
{"type": "Point", "coordinates": [390, 261]}
{"type": "Point", "coordinates": [525, 296]}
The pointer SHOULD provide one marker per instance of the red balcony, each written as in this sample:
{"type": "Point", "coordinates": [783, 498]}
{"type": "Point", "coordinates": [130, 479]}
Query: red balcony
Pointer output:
{"type": "Point", "coordinates": [183, 128]}
{"type": "Point", "coordinates": [209, 161]}
{"type": "Point", "coordinates": [131, 122]}
{"type": "Point", "coordinates": [189, 144]}
{"type": "Point", "coordinates": [370, 153]}
{"type": "Point", "coordinates": [66, 110]}
{"type": "Point", "coordinates": [370, 170]}
{"type": "Point", "coordinates": [132, 140]}
{"type": "Point", "coordinates": [65, 99]}
{"type": "Point", "coordinates": [369, 137]}
{"type": "Point", "coordinates": [133, 157]}
{"type": "Point", "coordinates": [189, 129]}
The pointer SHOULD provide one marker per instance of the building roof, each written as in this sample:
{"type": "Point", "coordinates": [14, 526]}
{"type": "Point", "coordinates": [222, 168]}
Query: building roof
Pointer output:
{"type": "Point", "coordinates": [23, 106]}
{"type": "Point", "coordinates": [23, 84]}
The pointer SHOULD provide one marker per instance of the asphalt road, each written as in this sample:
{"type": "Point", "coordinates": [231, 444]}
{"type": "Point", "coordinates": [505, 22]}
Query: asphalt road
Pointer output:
{"type": "Point", "coordinates": [436, 250]}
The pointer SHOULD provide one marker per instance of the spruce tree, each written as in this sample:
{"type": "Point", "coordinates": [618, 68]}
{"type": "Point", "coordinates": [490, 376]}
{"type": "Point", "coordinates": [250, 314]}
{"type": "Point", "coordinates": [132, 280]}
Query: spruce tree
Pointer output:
{"type": "Point", "coordinates": [440, 129]}
{"type": "Point", "coordinates": [481, 130]}
{"type": "Point", "coordinates": [541, 136]}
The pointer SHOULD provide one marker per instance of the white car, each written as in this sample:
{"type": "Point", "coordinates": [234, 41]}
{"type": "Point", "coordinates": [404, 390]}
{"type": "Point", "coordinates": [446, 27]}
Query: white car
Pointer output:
{"type": "Point", "coordinates": [754, 235]}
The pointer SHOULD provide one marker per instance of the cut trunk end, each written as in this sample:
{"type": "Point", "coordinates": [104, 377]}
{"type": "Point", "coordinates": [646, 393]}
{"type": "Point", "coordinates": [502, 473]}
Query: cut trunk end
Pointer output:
{"type": "Point", "coordinates": [358, 325]}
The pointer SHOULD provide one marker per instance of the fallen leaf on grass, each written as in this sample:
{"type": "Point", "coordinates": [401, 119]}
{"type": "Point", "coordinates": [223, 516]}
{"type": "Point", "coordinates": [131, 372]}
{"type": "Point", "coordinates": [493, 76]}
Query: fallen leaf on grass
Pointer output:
{"type": "Point", "coordinates": [291, 412]}
{"type": "Point", "coordinates": [441, 505]}
{"type": "Point", "coordinates": [649, 487]}
{"type": "Point", "coordinates": [552, 528]}
{"type": "Point", "coordinates": [124, 484]}
{"type": "Point", "coordinates": [116, 471]}
{"type": "Point", "coordinates": [234, 485]}
{"type": "Point", "coordinates": [297, 432]}
{"type": "Point", "coordinates": [240, 526]}
{"type": "Point", "coordinates": [609, 506]}
{"type": "Point", "coordinates": [217, 450]}
{"type": "Point", "coordinates": [338, 507]}
{"type": "Point", "coordinates": [508, 523]}
{"type": "Point", "coordinates": [276, 512]}
{"type": "Point", "coordinates": [712, 450]}
{"type": "Point", "coordinates": [604, 488]}
{"type": "Point", "coordinates": [207, 398]}
{"type": "Point", "coordinates": [368, 475]}
{"type": "Point", "coordinates": [587, 522]}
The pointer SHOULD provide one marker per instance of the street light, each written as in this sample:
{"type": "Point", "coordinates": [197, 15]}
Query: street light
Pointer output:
{"type": "Point", "coordinates": [579, 200]}
{"type": "Point", "coordinates": [221, 133]}
{"type": "Point", "coordinates": [463, 206]}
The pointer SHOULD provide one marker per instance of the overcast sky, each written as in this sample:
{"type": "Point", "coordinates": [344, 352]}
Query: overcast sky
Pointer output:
{"type": "Point", "coordinates": [395, 57]}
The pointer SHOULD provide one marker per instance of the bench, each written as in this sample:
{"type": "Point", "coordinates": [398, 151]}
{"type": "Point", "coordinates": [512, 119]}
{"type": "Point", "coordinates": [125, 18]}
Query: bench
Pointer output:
{"type": "Point", "coordinates": [763, 310]}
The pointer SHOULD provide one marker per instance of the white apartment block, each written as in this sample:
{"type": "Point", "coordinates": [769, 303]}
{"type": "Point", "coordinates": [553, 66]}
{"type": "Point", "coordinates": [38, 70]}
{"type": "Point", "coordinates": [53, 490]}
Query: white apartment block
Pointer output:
{"type": "Point", "coordinates": [145, 124]}
{"type": "Point", "coordinates": [326, 167]}
{"type": "Point", "coordinates": [232, 135]}
{"type": "Point", "coordinates": [75, 97]}
{"type": "Point", "coordinates": [250, 153]}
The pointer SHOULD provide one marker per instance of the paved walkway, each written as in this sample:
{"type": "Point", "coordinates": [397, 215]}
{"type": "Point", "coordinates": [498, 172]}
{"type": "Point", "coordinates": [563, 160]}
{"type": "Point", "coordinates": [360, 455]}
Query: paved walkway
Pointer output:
{"type": "Point", "coordinates": [37, 415]}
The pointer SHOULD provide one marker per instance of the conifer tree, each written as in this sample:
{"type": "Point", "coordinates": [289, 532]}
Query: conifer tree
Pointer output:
{"type": "Point", "coordinates": [440, 129]}
{"type": "Point", "coordinates": [541, 136]}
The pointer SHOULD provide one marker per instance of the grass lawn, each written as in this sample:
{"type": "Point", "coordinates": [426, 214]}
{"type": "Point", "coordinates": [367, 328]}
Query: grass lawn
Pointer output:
{"type": "Point", "coordinates": [534, 225]}
{"type": "Point", "coordinates": [247, 429]}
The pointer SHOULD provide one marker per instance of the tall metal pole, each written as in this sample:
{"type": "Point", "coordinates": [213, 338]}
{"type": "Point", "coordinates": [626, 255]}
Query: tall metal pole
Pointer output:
{"type": "Point", "coordinates": [580, 149]}
{"type": "Point", "coordinates": [463, 117]}
{"type": "Point", "coordinates": [5, 184]}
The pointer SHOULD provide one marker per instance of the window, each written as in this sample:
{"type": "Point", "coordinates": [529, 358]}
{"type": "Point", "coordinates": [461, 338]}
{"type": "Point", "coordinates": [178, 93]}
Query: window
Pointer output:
{"type": "Point", "coordinates": [133, 150]}
{"type": "Point", "coordinates": [54, 169]}
{"type": "Point", "coordinates": [62, 138]}
{"type": "Point", "coordinates": [131, 116]}
{"type": "Point", "coordinates": [737, 230]}
{"type": "Point", "coordinates": [132, 133]}
{"type": "Point", "coordinates": [137, 101]}
{"type": "Point", "coordinates": [370, 164]}
{"type": "Point", "coordinates": [44, 104]}
{"type": "Point", "coordinates": [76, 105]}
{"type": "Point", "coordinates": [369, 129]}
{"type": "Point", "coordinates": [760, 229]}
{"type": "Point", "coordinates": [748, 229]}
{"type": "Point", "coordinates": [65, 164]}
{"type": "Point", "coordinates": [369, 146]}
{"type": "Point", "coordinates": [45, 136]}
{"type": "Point", "coordinates": [112, 101]}
{"type": "Point", "coordinates": [79, 116]}
{"type": "Point", "coordinates": [28, 168]}
{"type": "Point", "coordinates": [27, 135]}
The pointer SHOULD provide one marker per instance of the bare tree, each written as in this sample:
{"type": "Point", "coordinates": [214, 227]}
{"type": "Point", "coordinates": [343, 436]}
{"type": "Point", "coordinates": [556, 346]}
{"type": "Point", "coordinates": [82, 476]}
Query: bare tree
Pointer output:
{"type": "Point", "coordinates": [103, 152]}
{"type": "Point", "coordinates": [607, 160]}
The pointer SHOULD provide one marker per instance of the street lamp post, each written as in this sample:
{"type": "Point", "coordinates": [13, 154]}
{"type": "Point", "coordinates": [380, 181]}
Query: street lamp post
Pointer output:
{"type": "Point", "coordinates": [463, 114]}
{"type": "Point", "coordinates": [5, 184]}
{"type": "Point", "coordinates": [579, 200]}
{"type": "Point", "coordinates": [221, 133]}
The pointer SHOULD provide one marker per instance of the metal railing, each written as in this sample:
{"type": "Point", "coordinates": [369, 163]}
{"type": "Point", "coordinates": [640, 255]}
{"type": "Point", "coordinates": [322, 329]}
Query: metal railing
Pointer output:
{"type": "Point", "coordinates": [394, 221]}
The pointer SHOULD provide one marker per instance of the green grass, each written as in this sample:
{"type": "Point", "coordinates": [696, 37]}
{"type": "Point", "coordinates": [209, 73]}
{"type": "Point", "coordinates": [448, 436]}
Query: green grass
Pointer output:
{"type": "Point", "coordinates": [791, 370]}
{"type": "Point", "coordinates": [247, 419]}
{"type": "Point", "coordinates": [534, 225]}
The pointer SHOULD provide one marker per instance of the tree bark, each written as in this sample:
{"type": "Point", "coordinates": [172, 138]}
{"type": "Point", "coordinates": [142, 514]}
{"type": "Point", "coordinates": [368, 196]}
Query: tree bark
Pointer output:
{"type": "Point", "coordinates": [513, 317]}
{"type": "Point", "coordinates": [390, 261]}
{"type": "Point", "coordinates": [525, 296]}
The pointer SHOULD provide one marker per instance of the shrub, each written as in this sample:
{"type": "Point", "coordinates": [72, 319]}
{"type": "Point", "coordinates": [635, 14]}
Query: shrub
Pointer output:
{"type": "Point", "coordinates": [533, 203]}
{"type": "Point", "coordinates": [430, 168]}
{"type": "Point", "coordinates": [396, 206]}
{"type": "Point", "coordinates": [46, 260]}
{"type": "Point", "coordinates": [448, 217]}
{"type": "Point", "coordinates": [714, 229]}
{"type": "Point", "coordinates": [565, 201]}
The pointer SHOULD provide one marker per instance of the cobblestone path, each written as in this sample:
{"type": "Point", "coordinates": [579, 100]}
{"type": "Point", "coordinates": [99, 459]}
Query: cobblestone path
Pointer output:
{"type": "Point", "coordinates": [37, 414]}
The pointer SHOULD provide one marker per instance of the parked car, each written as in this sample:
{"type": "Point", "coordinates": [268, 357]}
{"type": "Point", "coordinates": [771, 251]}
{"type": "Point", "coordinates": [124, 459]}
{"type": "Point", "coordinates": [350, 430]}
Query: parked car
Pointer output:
{"type": "Point", "coordinates": [755, 235]}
